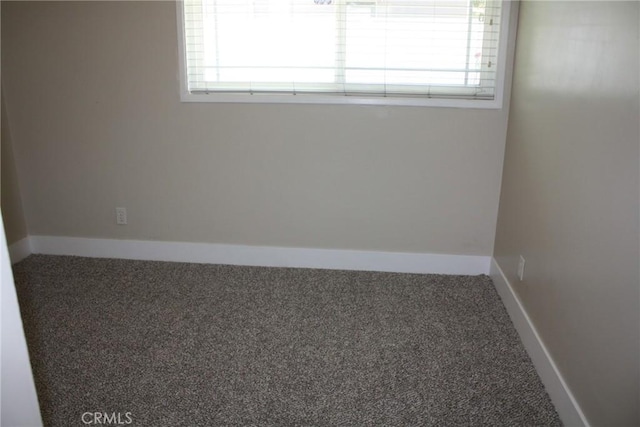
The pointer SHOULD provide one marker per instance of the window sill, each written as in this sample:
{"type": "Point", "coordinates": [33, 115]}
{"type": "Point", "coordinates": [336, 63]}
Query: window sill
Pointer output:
{"type": "Point", "coordinates": [340, 100]}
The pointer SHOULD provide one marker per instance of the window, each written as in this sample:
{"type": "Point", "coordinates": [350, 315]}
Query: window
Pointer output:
{"type": "Point", "coordinates": [343, 51]}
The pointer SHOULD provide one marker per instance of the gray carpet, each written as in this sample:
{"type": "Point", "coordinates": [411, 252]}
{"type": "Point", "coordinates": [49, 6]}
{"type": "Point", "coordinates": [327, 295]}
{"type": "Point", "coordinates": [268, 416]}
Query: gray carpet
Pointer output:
{"type": "Point", "coordinates": [212, 345]}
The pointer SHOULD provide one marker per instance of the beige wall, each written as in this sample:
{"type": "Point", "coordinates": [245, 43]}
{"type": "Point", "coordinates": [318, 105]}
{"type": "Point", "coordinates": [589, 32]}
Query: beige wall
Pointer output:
{"type": "Point", "coordinates": [93, 101]}
{"type": "Point", "coordinates": [569, 200]}
{"type": "Point", "coordinates": [10, 200]}
{"type": "Point", "coordinates": [12, 213]}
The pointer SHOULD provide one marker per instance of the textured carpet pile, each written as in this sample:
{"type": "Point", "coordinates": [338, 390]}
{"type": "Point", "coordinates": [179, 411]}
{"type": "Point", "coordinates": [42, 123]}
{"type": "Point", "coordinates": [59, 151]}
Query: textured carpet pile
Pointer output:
{"type": "Point", "coordinates": [177, 344]}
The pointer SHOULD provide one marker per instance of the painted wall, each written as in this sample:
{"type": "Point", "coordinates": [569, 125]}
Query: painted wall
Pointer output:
{"type": "Point", "coordinates": [11, 201]}
{"type": "Point", "coordinates": [93, 103]}
{"type": "Point", "coordinates": [569, 200]}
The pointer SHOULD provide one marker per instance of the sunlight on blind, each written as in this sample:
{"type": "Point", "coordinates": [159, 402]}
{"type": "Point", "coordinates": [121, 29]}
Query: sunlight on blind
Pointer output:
{"type": "Point", "coordinates": [427, 48]}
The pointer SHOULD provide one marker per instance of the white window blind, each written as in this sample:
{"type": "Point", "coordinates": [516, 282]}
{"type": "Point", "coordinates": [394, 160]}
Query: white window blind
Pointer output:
{"type": "Point", "coordinates": [387, 48]}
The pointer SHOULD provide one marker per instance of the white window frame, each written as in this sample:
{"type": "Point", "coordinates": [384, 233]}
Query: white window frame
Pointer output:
{"type": "Point", "coordinates": [312, 98]}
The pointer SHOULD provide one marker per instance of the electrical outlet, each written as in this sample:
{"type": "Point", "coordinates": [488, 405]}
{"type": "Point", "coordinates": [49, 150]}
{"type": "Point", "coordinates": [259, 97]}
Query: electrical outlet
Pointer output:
{"type": "Point", "coordinates": [521, 268]}
{"type": "Point", "coordinates": [121, 216]}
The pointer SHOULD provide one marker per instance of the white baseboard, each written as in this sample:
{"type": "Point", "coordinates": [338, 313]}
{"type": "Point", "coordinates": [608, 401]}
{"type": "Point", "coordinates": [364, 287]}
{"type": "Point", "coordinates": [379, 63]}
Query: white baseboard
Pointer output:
{"type": "Point", "coordinates": [570, 412]}
{"type": "Point", "coordinates": [262, 256]}
{"type": "Point", "coordinates": [20, 250]}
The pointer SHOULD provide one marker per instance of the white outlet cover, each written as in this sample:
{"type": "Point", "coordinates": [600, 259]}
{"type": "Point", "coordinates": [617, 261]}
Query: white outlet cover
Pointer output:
{"type": "Point", "coordinates": [521, 268]}
{"type": "Point", "coordinates": [121, 216]}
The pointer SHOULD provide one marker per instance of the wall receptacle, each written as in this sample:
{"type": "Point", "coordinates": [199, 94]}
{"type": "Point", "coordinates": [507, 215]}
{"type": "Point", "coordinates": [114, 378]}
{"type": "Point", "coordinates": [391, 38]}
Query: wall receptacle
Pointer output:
{"type": "Point", "coordinates": [521, 268]}
{"type": "Point", "coordinates": [121, 216]}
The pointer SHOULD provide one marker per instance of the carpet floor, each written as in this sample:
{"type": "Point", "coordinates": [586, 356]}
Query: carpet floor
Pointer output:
{"type": "Point", "coordinates": [176, 344]}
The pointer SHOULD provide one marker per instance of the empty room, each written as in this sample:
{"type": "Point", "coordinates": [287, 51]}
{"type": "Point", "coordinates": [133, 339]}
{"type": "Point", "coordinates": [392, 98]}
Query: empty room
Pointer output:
{"type": "Point", "coordinates": [320, 213]}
